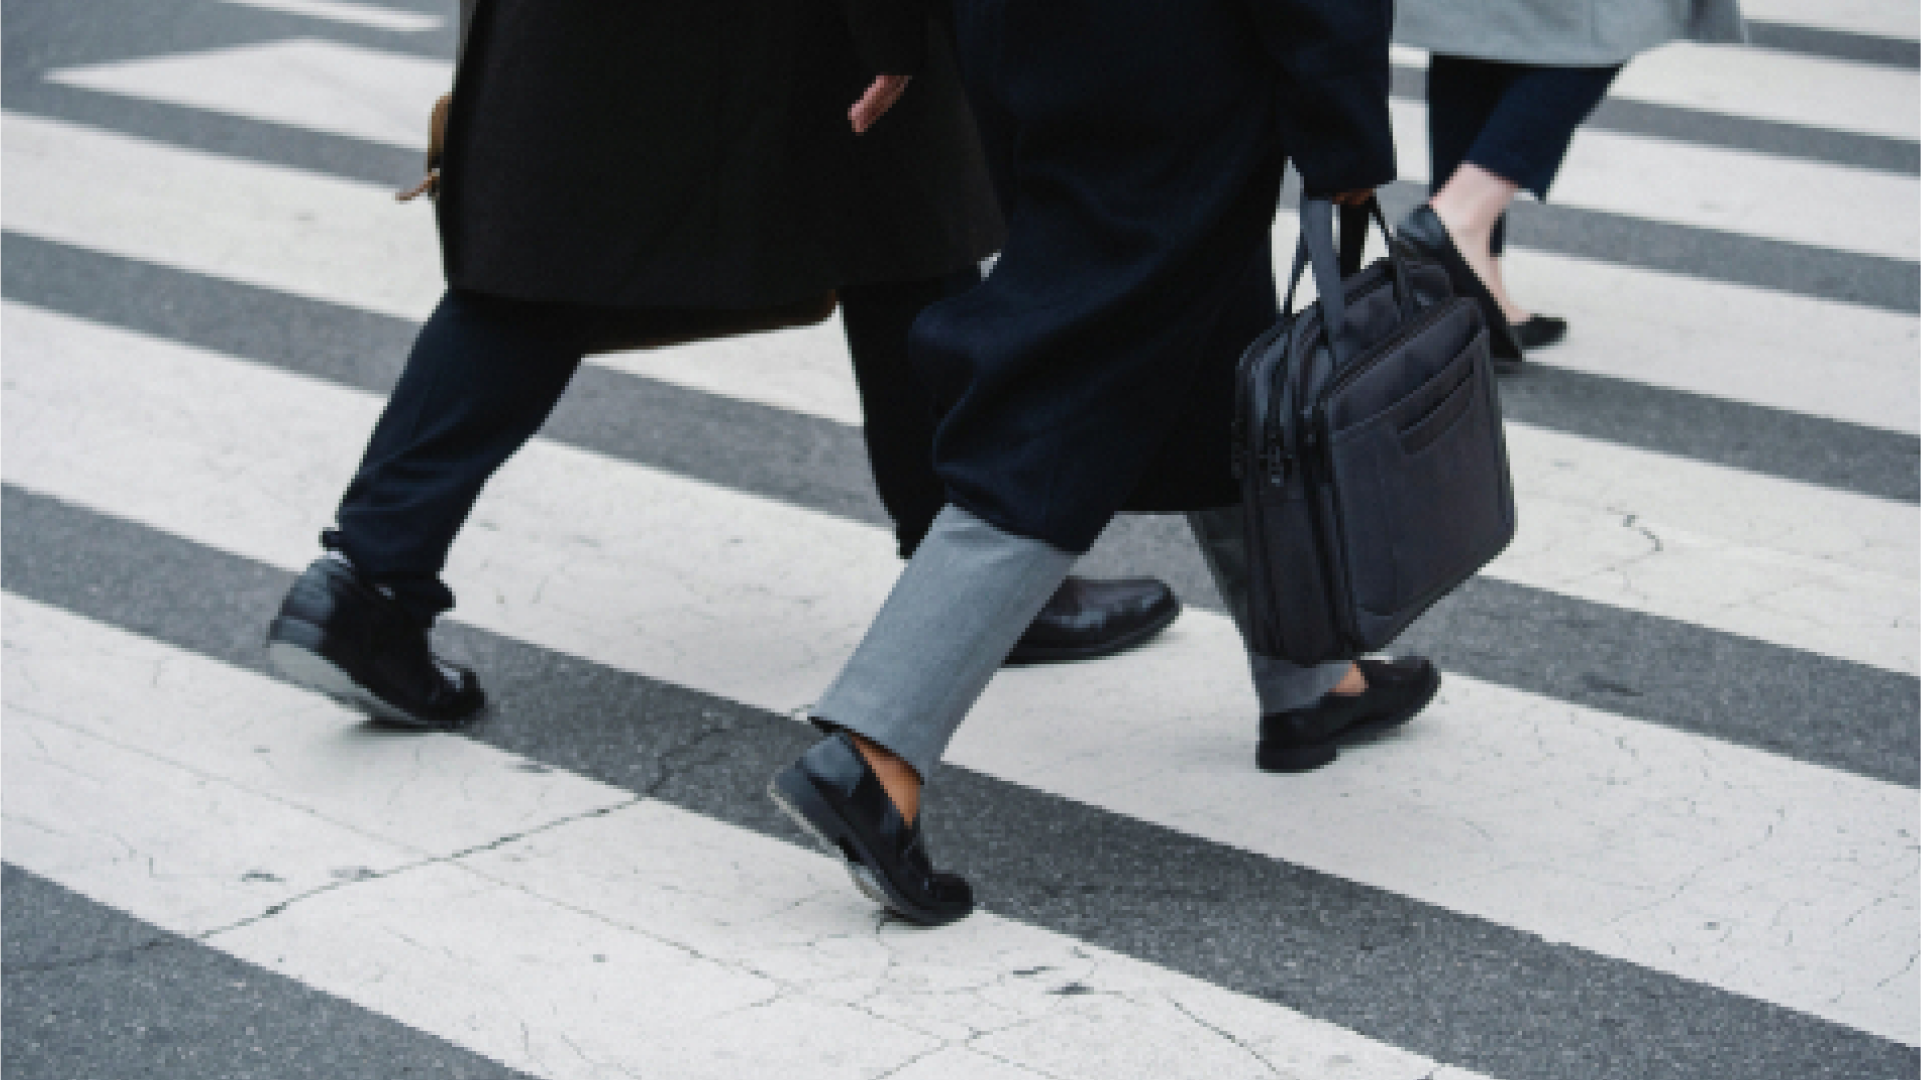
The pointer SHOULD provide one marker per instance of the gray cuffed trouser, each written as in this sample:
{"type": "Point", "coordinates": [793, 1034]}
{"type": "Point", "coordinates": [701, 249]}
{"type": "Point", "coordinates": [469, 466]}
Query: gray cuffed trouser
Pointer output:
{"type": "Point", "coordinates": [1279, 685]}
{"type": "Point", "coordinates": [964, 600]}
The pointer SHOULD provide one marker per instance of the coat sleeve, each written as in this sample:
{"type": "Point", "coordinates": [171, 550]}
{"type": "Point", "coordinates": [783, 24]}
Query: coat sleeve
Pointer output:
{"type": "Point", "coordinates": [1332, 62]}
{"type": "Point", "coordinates": [889, 35]}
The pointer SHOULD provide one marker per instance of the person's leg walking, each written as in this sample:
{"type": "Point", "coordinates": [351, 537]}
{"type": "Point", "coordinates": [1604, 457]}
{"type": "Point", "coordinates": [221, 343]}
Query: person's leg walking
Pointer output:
{"type": "Point", "coordinates": [1085, 618]}
{"type": "Point", "coordinates": [1308, 712]}
{"type": "Point", "coordinates": [1526, 136]}
{"type": "Point", "coordinates": [1462, 92]}
{"type": "Point", "coordinates": [482, 377]}
{"type": "Point", "coordinates": [964, 598]}
{"type": "Point", "coordinates": [1143, 170]}
{"type": "Point", "coordinates": [1499, 129]}
{"type": "Point", "coordinates": [1278, 684]}
{"type": "Point", "coordinates": [978, 577]}
{"type": "Point", "coordinates": [958, 607]}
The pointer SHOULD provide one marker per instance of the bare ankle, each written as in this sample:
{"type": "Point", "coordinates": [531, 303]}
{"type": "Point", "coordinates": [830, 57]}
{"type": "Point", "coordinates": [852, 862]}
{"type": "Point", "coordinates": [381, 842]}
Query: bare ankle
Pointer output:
{"type": "Point", "coordinates": [896, 777]}
{"type": "Point", "coordinates": [1352, 683]}
{"type": "Point", "coordinates": [1472, 200]}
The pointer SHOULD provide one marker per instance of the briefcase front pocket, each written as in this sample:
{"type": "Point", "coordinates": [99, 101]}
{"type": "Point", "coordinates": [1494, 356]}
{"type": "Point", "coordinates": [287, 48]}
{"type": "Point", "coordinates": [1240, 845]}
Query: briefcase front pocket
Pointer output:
{"type": "Point", "coordinates": [1423, 499]}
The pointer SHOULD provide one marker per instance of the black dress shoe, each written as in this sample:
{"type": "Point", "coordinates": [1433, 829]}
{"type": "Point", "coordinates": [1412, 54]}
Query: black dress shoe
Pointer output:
{"type": "Point", "coordinates": [1424, 232]}
{"type": "Point", "coordinates": [836, 798]}
{"type": "Point", "coordinates": [1085, 619]}
{"type": "Point", "coordinates": [1304, 739]}
{"type": "Point", "coordinates": [338, 634]}
{"type": "Point", "coordinates": [1540, 331]}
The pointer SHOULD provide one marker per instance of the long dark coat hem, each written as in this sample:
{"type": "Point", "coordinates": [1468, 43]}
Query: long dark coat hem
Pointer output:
{"type": "Point", "coordinates": [698, 156]}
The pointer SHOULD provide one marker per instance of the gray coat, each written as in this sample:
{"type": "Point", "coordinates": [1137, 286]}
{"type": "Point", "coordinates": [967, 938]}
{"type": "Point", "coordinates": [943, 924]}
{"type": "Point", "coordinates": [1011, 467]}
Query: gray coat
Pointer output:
{"type": "Point", "coordinates": [1567, 33]}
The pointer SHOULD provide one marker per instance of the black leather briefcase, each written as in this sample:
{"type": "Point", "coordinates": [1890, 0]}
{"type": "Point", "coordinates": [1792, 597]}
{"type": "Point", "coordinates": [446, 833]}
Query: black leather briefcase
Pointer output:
{"type": "Point", "coordinates": [1367, 439]}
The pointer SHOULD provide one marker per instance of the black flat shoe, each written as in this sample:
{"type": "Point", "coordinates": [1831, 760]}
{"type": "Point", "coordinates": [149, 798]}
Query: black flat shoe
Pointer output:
{"type": "Point", "coordinates": [835, 797]}
{"type": "Point", "coordinates": [1304, 739]}
{"type": "Point", "coordinates": [1085, 619]}
{"type": "Point", "coordinates": [1540, 331]}
{"type": "Point", "coordinates": [1424, 232]}
{"type": "Point", "coordinates": [338, 634]}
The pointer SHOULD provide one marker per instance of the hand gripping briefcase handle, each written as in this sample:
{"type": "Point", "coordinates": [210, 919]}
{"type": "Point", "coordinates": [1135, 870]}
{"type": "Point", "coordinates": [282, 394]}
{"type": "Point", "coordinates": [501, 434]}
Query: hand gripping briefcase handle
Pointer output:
{"type": "Point", "coordinates": [1368, 442]}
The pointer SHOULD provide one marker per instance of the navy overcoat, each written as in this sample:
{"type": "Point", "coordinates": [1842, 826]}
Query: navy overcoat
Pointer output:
{"type": "Point", "coordinates": [1138, 147]}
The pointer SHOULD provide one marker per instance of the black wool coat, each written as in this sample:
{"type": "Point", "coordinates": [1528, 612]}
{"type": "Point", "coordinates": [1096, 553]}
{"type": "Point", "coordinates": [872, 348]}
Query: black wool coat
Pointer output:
{"type": "Point", "coordinates": [1138, 146]}
{"type": "Point", "coordinates": [697, 154]}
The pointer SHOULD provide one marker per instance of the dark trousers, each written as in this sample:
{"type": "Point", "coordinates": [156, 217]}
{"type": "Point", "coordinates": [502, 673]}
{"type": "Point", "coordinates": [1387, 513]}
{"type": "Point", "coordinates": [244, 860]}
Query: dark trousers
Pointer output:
{"type": "Point", "coordinates": [486, 372]}
{"type": "Point", "coordinates": [1514, 120]}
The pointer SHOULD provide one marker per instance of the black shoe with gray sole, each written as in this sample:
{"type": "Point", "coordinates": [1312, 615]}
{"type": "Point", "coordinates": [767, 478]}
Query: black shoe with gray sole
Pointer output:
{"type": "Point", "coordinates": [1303, 739]}
{"type": "Point", "coordinates": [1088, 618]}
{"type": "Point", "coordinates": [834, 796]}
{"type": "Point", "coordinates": [340, 635]}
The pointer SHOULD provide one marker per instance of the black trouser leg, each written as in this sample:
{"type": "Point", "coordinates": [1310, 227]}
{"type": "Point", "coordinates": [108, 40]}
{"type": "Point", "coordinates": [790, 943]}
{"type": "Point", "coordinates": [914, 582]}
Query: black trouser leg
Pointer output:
{"type": "Point", "coordinates": [897, 409]}
{"type": "Point", "coordinates": [483, 376]}
{"type": "Point", "coordinates": [1461, 94]}
{"type": "Point", "coordinates": [1514, 120]}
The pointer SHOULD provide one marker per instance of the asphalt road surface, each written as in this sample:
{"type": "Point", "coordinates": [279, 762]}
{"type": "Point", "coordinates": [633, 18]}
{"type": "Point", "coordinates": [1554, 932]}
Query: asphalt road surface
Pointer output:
{"type": "Point", "coordinates": [1660, 823]}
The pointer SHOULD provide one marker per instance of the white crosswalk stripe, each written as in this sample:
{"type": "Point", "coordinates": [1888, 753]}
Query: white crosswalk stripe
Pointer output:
{"type": "Point", "coordinates": [311, 84]}
{"type": "Point", "coordinates": [571, 928]}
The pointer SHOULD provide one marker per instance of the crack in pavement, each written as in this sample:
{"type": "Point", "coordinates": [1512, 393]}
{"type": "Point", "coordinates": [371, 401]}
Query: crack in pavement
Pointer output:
{"type": "Point", "coordinates": [281, 907]}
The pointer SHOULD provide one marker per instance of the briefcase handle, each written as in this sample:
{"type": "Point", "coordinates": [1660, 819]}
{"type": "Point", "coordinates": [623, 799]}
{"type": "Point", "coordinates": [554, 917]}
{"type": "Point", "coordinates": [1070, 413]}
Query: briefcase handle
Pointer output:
{"type": "Point", "coordinates": [1316, 249]}
{"type": "Point", "coordinates": [1353, 236]}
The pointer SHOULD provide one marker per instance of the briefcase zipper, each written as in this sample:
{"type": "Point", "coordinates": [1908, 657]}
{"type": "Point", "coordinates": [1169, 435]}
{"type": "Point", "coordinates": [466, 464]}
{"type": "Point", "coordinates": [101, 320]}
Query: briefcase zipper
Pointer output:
{"type": "Point", "coordinates": [1239, 453]}
{"type": "Point", "coordinates": [1279, 461]}
{"type": "Point", "coordinates": [1366, 360]}
{"type": "Point", "coordinates": [1314, 418]}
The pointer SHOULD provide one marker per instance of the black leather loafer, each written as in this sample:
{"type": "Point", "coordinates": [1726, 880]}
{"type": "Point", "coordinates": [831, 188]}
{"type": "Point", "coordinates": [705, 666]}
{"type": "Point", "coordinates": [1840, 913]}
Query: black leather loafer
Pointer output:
{"type": "Point", "coordinates": [833, 795]}
{"type": "Point", "coordinates": [1304, 739]}
{"type": "Point", "coordinates": [1540, 331]}
{"type": "Point", "coordinates": [338, 634]}
{"type": "Point", "coordinates": [1424, 232]}
{"type": "Point", "coordinates": [1085, 619]}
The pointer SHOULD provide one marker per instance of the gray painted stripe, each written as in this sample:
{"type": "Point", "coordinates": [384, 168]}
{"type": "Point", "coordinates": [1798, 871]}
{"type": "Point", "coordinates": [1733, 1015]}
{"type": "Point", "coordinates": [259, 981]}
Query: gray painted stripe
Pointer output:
{"type": "Point", "coordinates": [1643, 666]}
{"type": "Point", "coordinates": [254, 140]}
{"type": "Point", "coordinates": [1456, 988]}
{"type": "Point", "coordinates": [1776, 442]}
{"type": "Point", "coordinates": [91, 992]}
{"type": "Point", "coordinates": [1879, 152]}
{"type": "Point", "coordinates": [1835, 44]}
